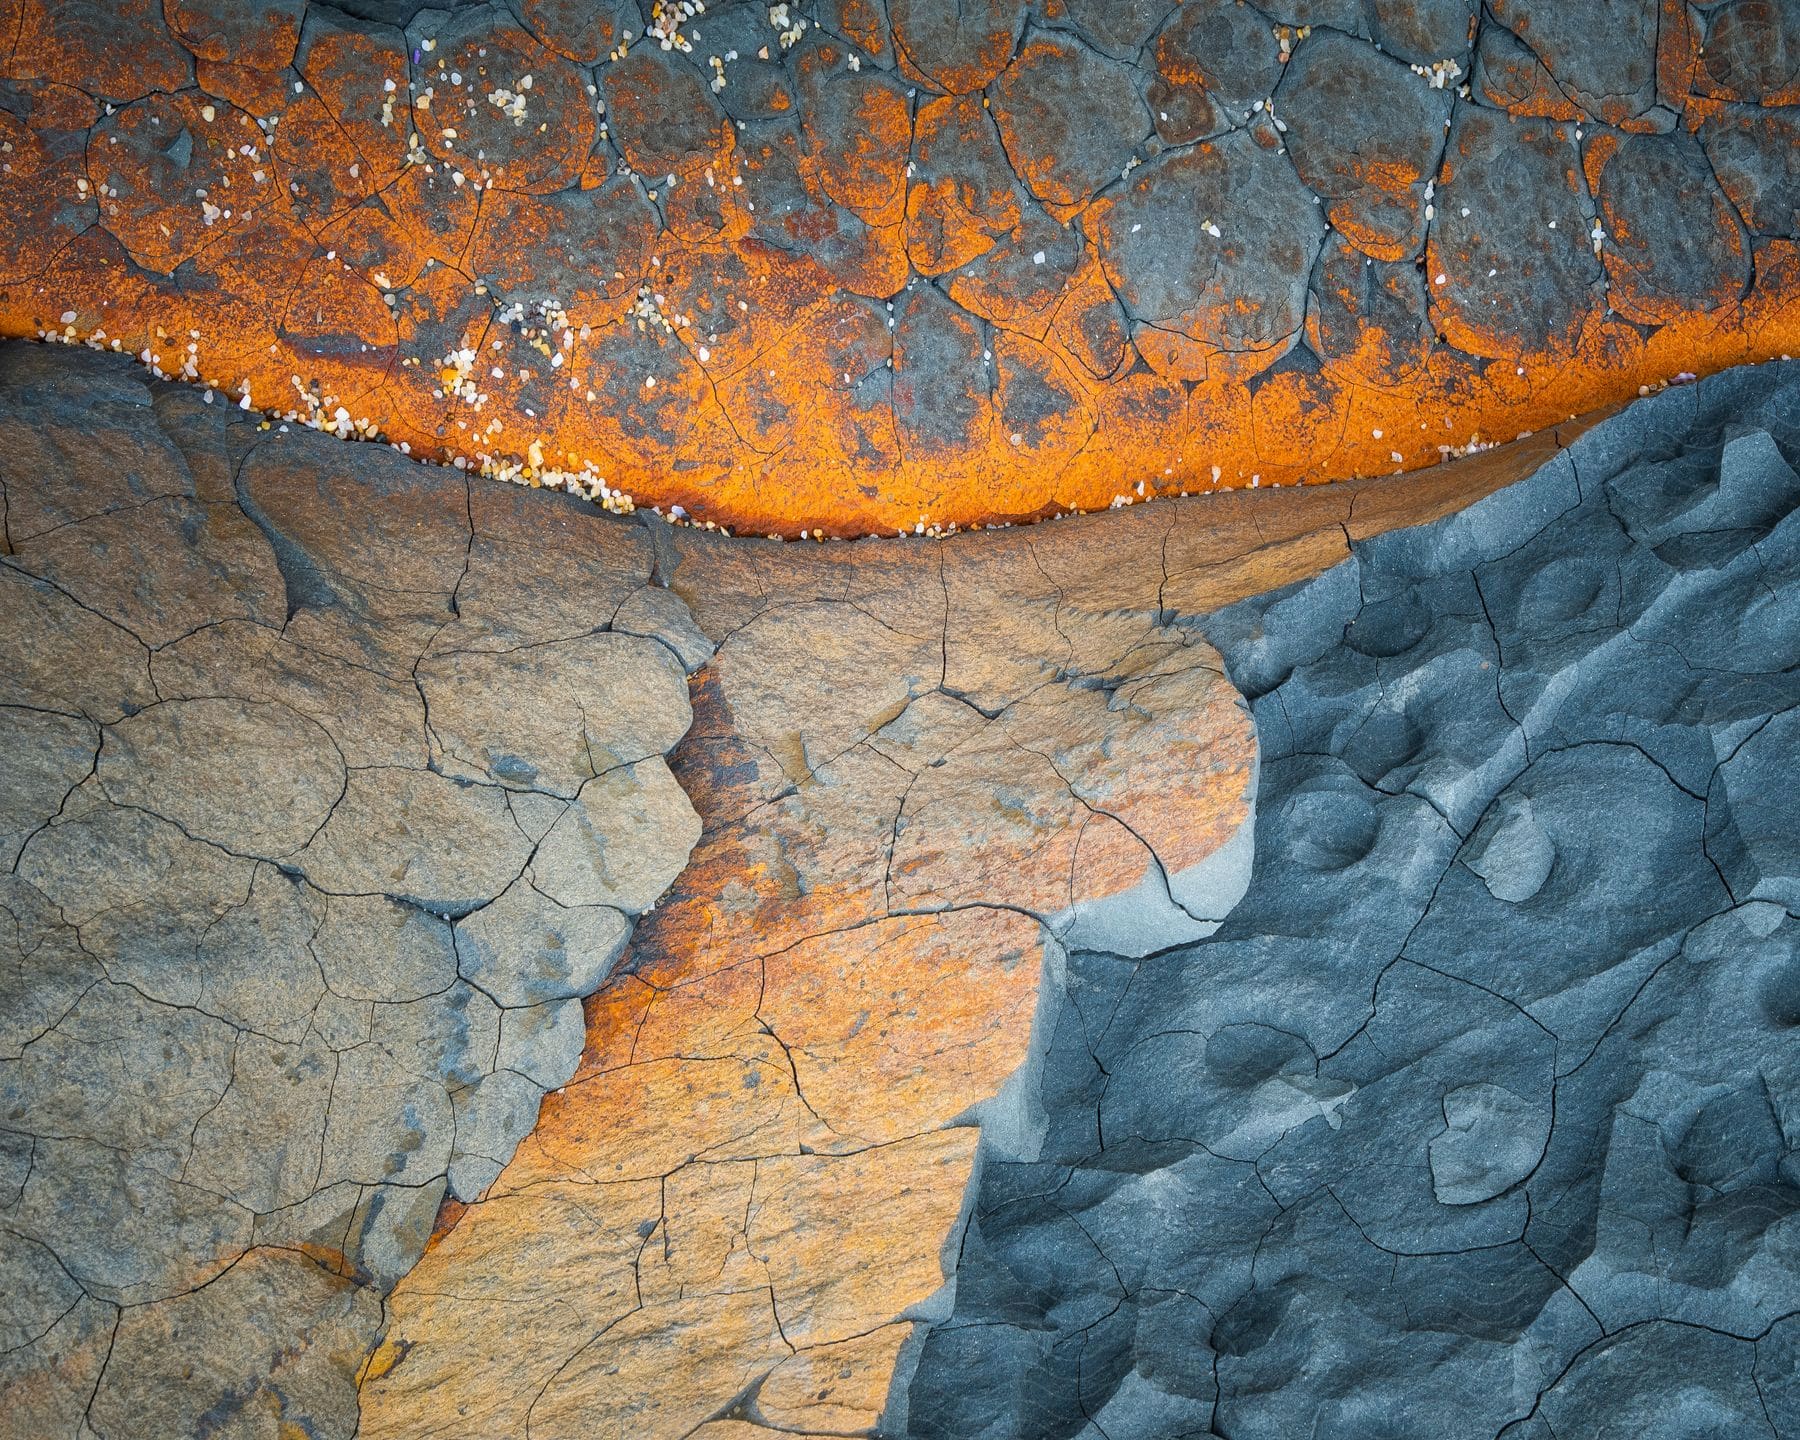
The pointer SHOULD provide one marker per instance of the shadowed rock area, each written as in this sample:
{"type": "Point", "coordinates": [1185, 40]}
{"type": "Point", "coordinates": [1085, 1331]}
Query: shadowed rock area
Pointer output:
{"type": "Point", "coordinates": [1477, 1116]}
{"type": "Point", "coordinates": [878, 265]}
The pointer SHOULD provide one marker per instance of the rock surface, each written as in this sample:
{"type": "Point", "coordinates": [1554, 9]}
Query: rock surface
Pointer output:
{"type": "Point", "coordinates": [872, 265]}
{"type": "Point", "coordinates": [325, 804]}
{"type": "Point", "coordinates": [1477, 1117]}
{"type": "Point", "coordinates": [925, 771]}
{"type": "Point", "coordinates": [933, 1097]}
{"type": "Point", "coordinates": [923, 768]}
{"type": "Point", "coordinates": [301, 916]}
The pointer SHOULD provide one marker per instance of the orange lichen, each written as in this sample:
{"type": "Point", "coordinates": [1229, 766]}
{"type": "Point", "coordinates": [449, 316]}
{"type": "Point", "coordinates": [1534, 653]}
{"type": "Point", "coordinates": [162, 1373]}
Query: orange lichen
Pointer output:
{"type": "Point", "coordinates": [697, 313]}
{"type": "Point", "coordinates": [902, 760]}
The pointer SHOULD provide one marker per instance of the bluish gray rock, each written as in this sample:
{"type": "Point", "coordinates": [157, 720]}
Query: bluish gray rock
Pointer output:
{"type": "Point", "coordinates": [1479, 1114]}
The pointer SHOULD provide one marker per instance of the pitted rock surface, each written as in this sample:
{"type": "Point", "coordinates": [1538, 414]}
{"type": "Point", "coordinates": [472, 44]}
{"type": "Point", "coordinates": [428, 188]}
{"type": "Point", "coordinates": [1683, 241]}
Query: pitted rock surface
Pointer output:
{"type": "Point", "coordinates": [328, 798]}
{"type": "Point", "coordinates": [862, 266]}
{"type": "Point", "coordinates": [1477, 1116]}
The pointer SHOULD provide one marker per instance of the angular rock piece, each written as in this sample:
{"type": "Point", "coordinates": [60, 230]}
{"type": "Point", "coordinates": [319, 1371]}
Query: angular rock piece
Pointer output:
{"type": "Point", "coordinates": [1365, 134]}
{"type": "Point", "coordinates": [620, 843]}
{"type": "Point", "coordinates": [525, 949]}
{"type": "Point", "coordinates": [1673, 244]}
{"type": "Point", "coordinates": [1492, 1140]}
{"type": "Point", "coordinates": [1518, 271]}
{"type": "Point", "coordinates": [1268, 232]}
{"type": "Point", "coordinates": [253, 777]}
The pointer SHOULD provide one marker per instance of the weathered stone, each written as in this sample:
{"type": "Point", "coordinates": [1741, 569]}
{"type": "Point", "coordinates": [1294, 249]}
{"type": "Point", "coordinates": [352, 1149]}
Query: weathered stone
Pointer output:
{"type": "Point", "coordinates": [616, 845]}
{"type": "Point", "coordinates": [1120, 29]}
{"type": "Point", "coordinates": [957, 50]}
{"type": "Point", "coordinates": [1396, 1135]}
{"type": "Point", "coordinates": [1755, 155]}
{"type": "Point", "coordinates": [1214, 61]}
{"type": "Point", "coordinates": [49, 755]}
{"type": "Point", "coordinates": [1519, 274]}
{"type": "Point", "coordinates": [1673, 244]}
{"type": "Point", "coordinates": [551, 717]}
{"type": "Point", "coordinates": [1423, 32]}
{"type": "Point", "coordinates": [1253, 302]}
{"type": "Point", "coordinates": [382, 838]}
{"type": "Point", "coordinates": [1750, 50]}
{"type": "Point", "coordinates": [1370, 163]}
{"type": "Point", "coordinates": [647, 256]}
{"type": "Point", "coordinates": [252, 777]}
{"type": "Point", "coordinates": [235, 1090]}
{"type": "Point", "coordinates": [665, 117]}
{"type": "Point", "coordinates": [1508, 74]}
{"type": "Point", "coordinates": [968, 809]}
{"type": "Point", "coordinates": [525, 949]}
{"type": "Point", "coordinates": [1070, 119]}
{"type": "Point", "coordinates": [234, 1380]}
{"type": "Point", "coordinates": [485, 118]}
{"type": "Point", "coordinates": [1614, 81]}
{"type": "Point", "coordinates": [1374, 316]}
{"type": "Point", "coordinates": [371, 948]}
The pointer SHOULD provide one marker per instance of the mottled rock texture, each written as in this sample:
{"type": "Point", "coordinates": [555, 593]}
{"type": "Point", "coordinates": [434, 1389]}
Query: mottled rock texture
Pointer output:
{"type": "Point", "coordinates": [934, 1097]}
{"type": "Point", "coordinates": [333, 780]}
{"type": "Point", "coordinates": [325, 800]}
{"type": "Point", "coordinates": [866, 265]}
{"type": "Point", "coordinates": [1478, 1116]}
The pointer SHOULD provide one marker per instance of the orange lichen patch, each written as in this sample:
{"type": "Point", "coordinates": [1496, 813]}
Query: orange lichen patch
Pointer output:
{"type": "Point", "coordinates": [785, 295]}
{"type": "Point", "coordinates": [261, 34]}
{"type": "Point", "coordinates": [957, 49]}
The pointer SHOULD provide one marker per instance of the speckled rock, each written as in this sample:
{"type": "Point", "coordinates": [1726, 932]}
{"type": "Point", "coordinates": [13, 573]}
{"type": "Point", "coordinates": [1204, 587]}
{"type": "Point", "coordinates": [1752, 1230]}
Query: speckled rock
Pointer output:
{"type": "Point", "coordinates": [1229, 209]}
{"type": "Point", "coordinates": [1511, 203]}
{"type": "Point", "coordinates": [863, 266]}
{"type": "Point", "coordinates": [1371, 164]}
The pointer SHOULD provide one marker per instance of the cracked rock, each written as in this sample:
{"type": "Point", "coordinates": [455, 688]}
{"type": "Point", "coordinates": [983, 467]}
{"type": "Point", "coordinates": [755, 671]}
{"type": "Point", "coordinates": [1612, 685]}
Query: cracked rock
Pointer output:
{"type": "Point", "coordinates": [1475, 1114]}
{"type": "Point", "coordinates": [246, 794]}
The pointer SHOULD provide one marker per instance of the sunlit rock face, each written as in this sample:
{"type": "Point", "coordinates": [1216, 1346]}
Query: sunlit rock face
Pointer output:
{"type": "Point", "coordinates": [866, 266]}
{"type": "Point", "coordinates": [1477, 1115]}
